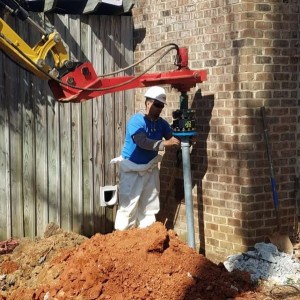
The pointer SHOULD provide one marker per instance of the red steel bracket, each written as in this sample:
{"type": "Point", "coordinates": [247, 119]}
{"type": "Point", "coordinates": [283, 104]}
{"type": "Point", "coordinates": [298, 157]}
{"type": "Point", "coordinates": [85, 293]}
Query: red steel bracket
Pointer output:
{"type": "Point", "coordinates": [83, 83]}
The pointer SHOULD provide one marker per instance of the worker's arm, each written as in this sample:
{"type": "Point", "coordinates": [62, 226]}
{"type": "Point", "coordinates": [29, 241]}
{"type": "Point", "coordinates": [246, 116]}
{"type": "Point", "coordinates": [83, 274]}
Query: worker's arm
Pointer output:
{"type": "Point", "coordinates": [155, 145]}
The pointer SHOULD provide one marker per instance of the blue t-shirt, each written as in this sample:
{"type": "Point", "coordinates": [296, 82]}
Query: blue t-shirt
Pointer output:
{"type": "Point", "coordinates": [155, 130]}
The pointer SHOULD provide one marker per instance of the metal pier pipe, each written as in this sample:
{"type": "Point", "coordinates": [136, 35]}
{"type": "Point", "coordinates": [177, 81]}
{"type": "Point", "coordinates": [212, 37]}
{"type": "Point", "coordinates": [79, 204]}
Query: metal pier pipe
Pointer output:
{"type": "Point", "coordinates": [186, 165]}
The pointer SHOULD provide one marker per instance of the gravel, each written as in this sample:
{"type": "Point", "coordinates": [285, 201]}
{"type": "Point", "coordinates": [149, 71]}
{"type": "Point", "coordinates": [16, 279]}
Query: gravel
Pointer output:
{"type": "Point", "coordinates": [265, 262]}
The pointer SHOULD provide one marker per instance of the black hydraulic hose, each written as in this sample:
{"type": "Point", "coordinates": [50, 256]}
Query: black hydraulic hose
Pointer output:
{"type": "Point", "coordinates": [17, 63]}
{"type": "Point", "coordinates": [135, 78]}
{"type": "Point", "coordinates": [174, 46]}
{"type": "Point", "coordinates": [15, 9]}
{"type": "Point", "coordinates": [18, 11]}
{"type": "Point", "coordinates": [81, 88]}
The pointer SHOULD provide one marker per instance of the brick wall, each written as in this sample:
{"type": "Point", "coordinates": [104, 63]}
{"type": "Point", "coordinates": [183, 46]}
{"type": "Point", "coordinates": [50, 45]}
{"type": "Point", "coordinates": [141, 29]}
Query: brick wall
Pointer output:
{"type": "Point", "coordinates": [250, 50]}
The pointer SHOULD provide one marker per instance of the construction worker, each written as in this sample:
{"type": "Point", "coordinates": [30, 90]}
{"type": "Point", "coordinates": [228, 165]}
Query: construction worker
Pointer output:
{"type": "Point", "coordinates": [139, 186]}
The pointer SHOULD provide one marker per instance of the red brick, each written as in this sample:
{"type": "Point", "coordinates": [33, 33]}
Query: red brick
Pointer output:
{"type": "Point", "coordinates": [250, 65]}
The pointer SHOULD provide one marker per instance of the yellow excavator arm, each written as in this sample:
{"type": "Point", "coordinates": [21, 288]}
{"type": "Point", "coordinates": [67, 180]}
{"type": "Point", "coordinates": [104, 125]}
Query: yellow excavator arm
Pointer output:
{"type": "Point", "coordinates": [32, 58]}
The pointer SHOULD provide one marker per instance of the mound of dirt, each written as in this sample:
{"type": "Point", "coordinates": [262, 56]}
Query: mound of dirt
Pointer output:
{"type": "Point", "coordinates": [136, 264]}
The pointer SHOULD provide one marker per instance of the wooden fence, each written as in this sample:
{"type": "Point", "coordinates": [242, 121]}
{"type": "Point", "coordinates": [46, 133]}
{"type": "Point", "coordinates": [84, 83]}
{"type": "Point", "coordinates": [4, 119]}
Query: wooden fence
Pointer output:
{"type": "Point", "coordinates": [53, 156]}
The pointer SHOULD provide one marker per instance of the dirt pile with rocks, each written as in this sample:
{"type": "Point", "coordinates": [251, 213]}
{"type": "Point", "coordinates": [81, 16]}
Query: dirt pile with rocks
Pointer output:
{"type": "Point", "coordinates": [151, 263]}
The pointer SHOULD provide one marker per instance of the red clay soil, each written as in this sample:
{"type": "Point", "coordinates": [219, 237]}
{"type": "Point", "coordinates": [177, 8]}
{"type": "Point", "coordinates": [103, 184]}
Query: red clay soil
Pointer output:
{"type": "Point", "coordinates": [137, 264]}
{"type": "Point", "coordinates": [8, 246]}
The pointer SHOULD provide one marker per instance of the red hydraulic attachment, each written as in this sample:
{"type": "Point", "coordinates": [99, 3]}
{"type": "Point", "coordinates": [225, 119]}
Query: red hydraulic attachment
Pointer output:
{"type": "Point", "coordinates": [83, 83]}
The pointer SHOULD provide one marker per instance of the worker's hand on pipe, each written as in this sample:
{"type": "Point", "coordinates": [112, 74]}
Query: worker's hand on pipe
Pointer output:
{"type": "Point", "coordinates": [193, 140]}
{"type": "Point", "coordinates": [173, 142]}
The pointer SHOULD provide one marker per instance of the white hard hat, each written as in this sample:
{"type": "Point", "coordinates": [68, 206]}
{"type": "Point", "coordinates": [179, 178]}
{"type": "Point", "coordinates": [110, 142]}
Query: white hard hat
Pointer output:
{"type": "Point", "coordinates": [158, 93]}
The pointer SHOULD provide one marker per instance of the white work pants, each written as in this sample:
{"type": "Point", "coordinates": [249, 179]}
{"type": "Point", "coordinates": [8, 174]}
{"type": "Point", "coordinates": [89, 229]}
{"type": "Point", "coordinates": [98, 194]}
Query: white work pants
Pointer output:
{"type": "Point", "coordinates": [138, 195]}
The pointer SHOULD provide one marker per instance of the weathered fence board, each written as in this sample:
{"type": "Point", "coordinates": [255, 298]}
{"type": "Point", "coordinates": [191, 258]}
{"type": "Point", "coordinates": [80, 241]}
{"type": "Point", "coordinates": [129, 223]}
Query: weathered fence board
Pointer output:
{"type": "Point", "coordinates": [109, 108]}
{"type": "Point", "coordinates": [98, 130]}
{"type": "Point", "coordinates": [41, 162]}
{"type": "Point", "coordinates": [73, 40]}
{"type": "Point", "coordinates": [55, 156]}
{"type": "Point", "coordinates": [5, 204]}
{"type": "Point", "coordinates": [12, 81]}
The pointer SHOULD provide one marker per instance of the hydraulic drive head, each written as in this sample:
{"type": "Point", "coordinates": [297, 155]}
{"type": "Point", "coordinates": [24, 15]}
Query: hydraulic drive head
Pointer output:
{"type": "Point", "coordinates": [184, 123]}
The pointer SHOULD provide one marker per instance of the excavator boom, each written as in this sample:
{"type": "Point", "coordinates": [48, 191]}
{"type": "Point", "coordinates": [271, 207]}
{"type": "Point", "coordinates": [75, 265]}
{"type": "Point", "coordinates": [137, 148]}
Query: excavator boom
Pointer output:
{"type": "Point", "coordinates": [69, 87]}
{"type": "Point", "coordinates": [77, 81]}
